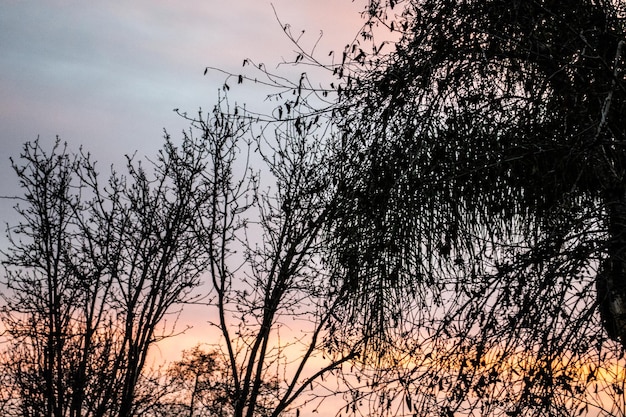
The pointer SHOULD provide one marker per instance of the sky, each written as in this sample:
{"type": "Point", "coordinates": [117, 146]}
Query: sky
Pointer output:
{"type": "Point", "coordinates": [107, 75]}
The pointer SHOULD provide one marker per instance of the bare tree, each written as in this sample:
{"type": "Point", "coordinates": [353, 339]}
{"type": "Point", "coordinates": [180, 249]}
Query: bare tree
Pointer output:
{"type": "Point", "coordinates": [274, 298]}
{"type": "Point", "coordinates": [92, 271]}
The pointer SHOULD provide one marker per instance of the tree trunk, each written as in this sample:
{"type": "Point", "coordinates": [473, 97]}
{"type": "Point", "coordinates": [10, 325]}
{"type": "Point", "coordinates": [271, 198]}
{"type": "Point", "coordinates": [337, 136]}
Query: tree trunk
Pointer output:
{"type": "Point", "coordinates": [611, 279]}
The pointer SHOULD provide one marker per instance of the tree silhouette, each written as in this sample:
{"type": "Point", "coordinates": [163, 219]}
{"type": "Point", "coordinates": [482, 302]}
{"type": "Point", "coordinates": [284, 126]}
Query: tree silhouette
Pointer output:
{"type": "Point", "coordinates": [482, 173]}
{"type": "Point", "coordinates": [263, 235]}
{"type": "Point", "coordinates": [91, 272]}
{"type": "Point", "coordinates": [203, 380]}
{"type": "Point", "coordinates": [452, 227]}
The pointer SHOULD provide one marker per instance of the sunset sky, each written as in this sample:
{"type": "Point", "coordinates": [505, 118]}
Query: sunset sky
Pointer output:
{"type": "Point", "coordinates": [107, 75]}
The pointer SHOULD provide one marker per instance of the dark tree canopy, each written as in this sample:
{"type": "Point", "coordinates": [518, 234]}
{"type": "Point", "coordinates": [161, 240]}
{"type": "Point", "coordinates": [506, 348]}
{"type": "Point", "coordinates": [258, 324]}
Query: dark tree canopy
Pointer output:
{"type": "Point", "coordinates": [482, 170]}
